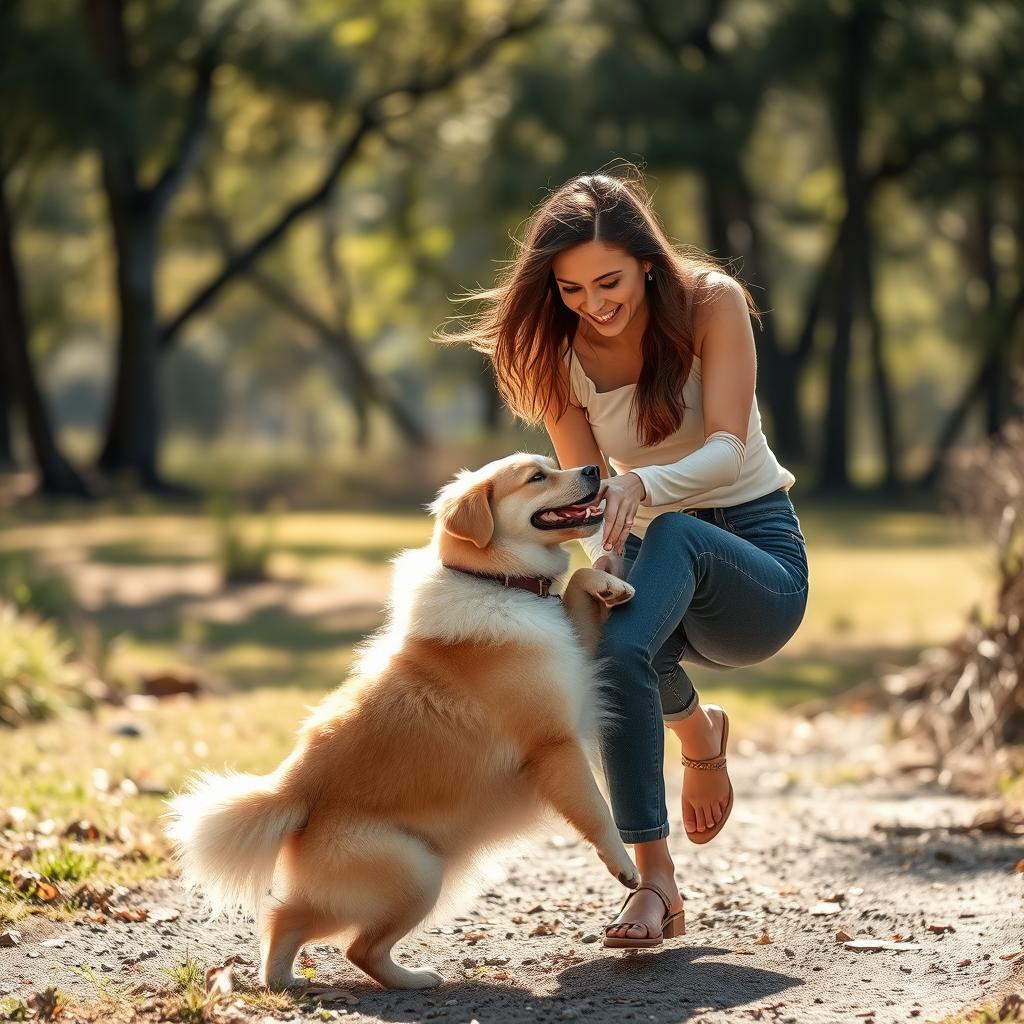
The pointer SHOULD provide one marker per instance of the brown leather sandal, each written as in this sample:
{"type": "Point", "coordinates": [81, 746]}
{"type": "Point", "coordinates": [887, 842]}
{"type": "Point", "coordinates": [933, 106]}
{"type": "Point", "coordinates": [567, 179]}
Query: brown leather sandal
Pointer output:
{"type": "Point", "coordinates": [712, 764]}
{"type": "Point", "coordinates": [672, 925]}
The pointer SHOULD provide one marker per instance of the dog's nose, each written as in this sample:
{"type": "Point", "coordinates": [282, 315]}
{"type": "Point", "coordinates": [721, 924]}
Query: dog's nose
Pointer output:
{"type": "Point", "coordinates": [591, 473]}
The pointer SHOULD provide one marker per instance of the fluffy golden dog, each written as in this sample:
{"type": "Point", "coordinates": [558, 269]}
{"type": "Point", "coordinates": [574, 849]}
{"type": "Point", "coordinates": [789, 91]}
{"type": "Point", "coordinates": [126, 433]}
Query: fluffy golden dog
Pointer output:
{"type": "Point", "coordinates": [468, 714]}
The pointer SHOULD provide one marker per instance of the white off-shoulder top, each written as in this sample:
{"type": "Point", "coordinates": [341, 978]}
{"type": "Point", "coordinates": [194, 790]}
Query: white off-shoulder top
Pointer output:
{"type": "Point", "coordinates": [608, 412]}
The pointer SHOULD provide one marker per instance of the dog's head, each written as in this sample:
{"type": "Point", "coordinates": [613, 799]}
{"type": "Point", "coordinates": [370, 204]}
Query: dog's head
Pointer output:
{"type": "Point", "coordinates": [511, 515]}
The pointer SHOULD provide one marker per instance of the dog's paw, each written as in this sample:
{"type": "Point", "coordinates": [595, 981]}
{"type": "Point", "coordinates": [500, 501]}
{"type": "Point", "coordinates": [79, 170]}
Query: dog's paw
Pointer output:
{"type": "Point", "coordinates": [421, 977]}
{"type": "Point", "coordinates": [615, 591]}
{"type": "Point", "coordinates": [630, 879]}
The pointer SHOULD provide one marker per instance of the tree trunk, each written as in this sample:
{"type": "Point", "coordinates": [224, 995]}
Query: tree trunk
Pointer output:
{"type": "Point", "coordinates": [887, 427]}
{"type": "Point", "coordinates": [778, 371]}
{"type": "Point", "coordinates": [56, 475]}
{"type": "Point", "coordinates": [849, 115]}
{"type": "Point", "coordinates": [133, 423]}
{"type": "Point", "coordinates": [6, 410]}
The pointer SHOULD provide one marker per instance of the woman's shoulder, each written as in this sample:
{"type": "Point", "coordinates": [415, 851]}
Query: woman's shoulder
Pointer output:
{"type": "Point", "coordinates": [720, 298]}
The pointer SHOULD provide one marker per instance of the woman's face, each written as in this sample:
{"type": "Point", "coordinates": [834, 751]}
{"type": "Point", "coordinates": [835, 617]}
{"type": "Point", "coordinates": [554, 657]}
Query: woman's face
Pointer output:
{"type": "Point", "coordinates": [602, 284]}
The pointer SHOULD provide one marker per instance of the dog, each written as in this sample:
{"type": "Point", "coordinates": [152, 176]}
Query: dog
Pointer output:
{"type": "Point", "coordinates": [471, 712]}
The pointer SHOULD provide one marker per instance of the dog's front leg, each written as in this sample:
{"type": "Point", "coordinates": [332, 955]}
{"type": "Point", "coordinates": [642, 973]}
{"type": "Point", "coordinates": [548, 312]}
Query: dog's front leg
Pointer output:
{"type": "Point", "coordinates": [586, 599]}
{"type": "Point", "coordinates": [562, 774]}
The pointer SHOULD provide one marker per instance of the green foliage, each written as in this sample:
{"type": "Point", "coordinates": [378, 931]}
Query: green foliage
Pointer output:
{"type": "Point", "coordinates": [27, 587]}
{"type": "Point", "coordinates": [187, 975]}
{"type": "Point", "coordinates": [39, 677]}
{"type": "Point", "coordinates": [65, 864]}
{"type": "Point", "coordinates": [240, 558]}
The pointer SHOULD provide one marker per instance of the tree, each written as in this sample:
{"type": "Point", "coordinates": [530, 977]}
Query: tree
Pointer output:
{"type": "Point", "coordinates": [138, 206]}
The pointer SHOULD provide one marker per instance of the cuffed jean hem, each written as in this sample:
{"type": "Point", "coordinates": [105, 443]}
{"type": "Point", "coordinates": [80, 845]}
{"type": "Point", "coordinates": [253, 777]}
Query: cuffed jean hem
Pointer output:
{"type": "Point", "coordinates": [678, 716]}
{"type": "Point", "coordinates": [644, 835]}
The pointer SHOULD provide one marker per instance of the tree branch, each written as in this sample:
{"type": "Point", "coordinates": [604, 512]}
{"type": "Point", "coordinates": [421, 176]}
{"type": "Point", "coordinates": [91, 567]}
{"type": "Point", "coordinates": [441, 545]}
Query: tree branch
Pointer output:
{"type": "Point", "coordinates": [368, 117]}
{"type": "Point", "coordinates": [169, 180]}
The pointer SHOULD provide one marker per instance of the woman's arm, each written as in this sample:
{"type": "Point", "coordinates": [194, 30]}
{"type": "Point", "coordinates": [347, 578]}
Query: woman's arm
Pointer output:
{"type": "Point", "coordinates": [575, 445]}
{"type": "Point", "coordinates": [729, 365]}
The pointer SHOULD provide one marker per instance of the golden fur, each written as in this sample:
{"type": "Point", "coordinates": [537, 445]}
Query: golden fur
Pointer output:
{"type": "Point", "coordinates": [465, 716]}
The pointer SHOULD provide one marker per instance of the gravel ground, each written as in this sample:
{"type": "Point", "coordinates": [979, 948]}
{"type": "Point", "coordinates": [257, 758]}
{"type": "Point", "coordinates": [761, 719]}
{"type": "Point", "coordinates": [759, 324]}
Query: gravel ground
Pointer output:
{"type": "Point", "coordinates": [887, 854]}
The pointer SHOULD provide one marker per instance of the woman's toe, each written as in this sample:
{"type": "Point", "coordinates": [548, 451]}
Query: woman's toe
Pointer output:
{"type": "Point", "coordinates": [689, 818]}
{"type": "Point", "coordinates": [718, 813]}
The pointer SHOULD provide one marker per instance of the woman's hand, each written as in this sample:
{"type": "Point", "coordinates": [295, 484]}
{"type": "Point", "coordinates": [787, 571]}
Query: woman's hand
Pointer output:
{"type": "Point", "coordinates": [622, 496]}
{"type": "Point", "coordinates": [613, 564]}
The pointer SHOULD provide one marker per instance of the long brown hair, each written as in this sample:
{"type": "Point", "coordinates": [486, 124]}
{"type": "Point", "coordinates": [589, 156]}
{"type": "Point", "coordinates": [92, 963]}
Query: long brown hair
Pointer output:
{"type": "Point", "coordinates": [525, 327]}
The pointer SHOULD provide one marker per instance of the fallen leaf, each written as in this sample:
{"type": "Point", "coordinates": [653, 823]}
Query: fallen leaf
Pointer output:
{"type": "Point", "coordinates": [1010, 956]}
{"type": "Point", "coordinates": [46, 892]}
{"type": "Point", "coordinates": [477, 936]}
{"type": "Point", "coordinates": [843, 936]}
{"type": "Point", "coordinates": [765, 940]}
{"type": "Point", "coordinates": [1020, 866]}
{"type": "Point", "coordinates": [501, 975]}
{"type": "Point", "coordinates": [940, 928]}
{"type": "Point", "coordinates": [220, 981]}
{"type": "Point", "coordinates": [546, 929]}
{"type": "Point", "coordinates": [83, 831]}
{"type": "Point", "coordinates": [964, 963]}
{"type": "Point", "coordinates": [130, 914]}
{"type": "Point", "coordinates": [44, 1005]}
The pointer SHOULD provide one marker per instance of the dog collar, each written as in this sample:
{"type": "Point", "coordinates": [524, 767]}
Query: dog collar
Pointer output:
{"type": "Point", "coordinates": [539, 585]}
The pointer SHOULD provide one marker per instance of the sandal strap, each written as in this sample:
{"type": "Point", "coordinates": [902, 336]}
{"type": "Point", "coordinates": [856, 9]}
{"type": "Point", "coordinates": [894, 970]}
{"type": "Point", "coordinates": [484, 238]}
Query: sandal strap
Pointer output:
{"type": "Point", "coordinates": [653, 888]}
{"type": "Point", "coordinates": [640, 924]}
{"type": "Point", "coordinates": [707, 764]}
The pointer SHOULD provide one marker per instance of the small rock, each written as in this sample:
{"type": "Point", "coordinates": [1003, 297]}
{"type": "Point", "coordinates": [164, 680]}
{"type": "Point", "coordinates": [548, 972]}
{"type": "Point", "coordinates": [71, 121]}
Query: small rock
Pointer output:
{"type": "Point", "coordinates": [9, 938]}
{"type": "Point", "coordinates": [589, 938]}
{"type": "Point", "coordinates": [825, 908]}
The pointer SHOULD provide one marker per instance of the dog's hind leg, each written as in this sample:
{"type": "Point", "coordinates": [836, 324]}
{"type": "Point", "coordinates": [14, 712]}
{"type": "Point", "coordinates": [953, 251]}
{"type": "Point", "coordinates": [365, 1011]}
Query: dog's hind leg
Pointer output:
{"type": "Point", "coordinates": [372, 883]}
{"type": "Point", "coordinates": [286, 928]}
{"type": "Point", "coordinates": [403, 886]}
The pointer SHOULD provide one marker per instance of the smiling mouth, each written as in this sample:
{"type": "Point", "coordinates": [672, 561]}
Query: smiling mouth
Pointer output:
{"type": "Point", "coordinates": [606, 319]}
{"type": "Point", "coordinates": [579, 513]}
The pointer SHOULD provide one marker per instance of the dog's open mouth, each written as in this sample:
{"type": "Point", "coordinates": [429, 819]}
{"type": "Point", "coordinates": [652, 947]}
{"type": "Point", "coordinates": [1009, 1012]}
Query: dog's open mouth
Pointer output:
{"type": "Point", "coordinates": [579, 513]}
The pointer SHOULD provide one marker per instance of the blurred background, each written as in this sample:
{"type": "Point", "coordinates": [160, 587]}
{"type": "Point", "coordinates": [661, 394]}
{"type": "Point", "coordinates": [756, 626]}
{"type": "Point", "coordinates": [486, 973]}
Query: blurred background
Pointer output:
{"type": "Point", "coordinates": [228, 230]}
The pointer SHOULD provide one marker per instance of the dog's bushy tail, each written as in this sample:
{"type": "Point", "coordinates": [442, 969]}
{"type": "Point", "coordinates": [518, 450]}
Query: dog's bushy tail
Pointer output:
{"type": "Point", "coordinates": [228, 830]}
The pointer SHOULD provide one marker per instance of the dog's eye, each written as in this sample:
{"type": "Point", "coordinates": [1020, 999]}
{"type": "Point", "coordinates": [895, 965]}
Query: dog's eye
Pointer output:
{"type": "Point", "coordinates": [536, 477]}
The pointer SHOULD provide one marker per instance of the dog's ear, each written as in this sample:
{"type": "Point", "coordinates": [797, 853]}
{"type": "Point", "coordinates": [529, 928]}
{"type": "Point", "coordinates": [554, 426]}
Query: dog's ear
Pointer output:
{"type": "Point", "coordinates": [467, 515]}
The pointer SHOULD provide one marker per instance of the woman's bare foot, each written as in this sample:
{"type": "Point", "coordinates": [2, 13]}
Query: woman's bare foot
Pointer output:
{"type": "Point", "coordinates": [705, 793]}
{"type": "Point", "coordinates": [646, 909]}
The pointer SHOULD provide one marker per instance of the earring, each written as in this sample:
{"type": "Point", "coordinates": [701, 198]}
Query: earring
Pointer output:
{"type": "Point", "coordinates": [650, 275]}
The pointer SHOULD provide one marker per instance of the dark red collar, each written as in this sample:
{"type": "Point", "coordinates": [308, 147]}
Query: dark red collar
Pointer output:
{"type": "Point", "coordinates": [539, 585]}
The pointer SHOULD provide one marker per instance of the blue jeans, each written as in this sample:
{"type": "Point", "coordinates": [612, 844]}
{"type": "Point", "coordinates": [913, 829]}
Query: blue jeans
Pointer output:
{"type": "Point", "coordinates": [720, 587]}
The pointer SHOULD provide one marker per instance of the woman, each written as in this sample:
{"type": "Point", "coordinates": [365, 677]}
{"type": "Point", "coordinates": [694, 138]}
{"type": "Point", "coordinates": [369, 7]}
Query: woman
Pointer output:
{"type": "Point", "coordinates": [625, 346]}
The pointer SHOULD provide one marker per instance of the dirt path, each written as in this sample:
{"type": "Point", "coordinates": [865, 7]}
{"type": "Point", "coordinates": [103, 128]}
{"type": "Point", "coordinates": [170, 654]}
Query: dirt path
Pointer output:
{"type": "Point", "coordinates": [793, 841]}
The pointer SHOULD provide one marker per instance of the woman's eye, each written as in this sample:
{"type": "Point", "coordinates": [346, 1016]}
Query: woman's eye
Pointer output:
{"type": "Point", "coordinates": [570, 291]}
{"type": "Point", "coordinates": [536, 477]}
